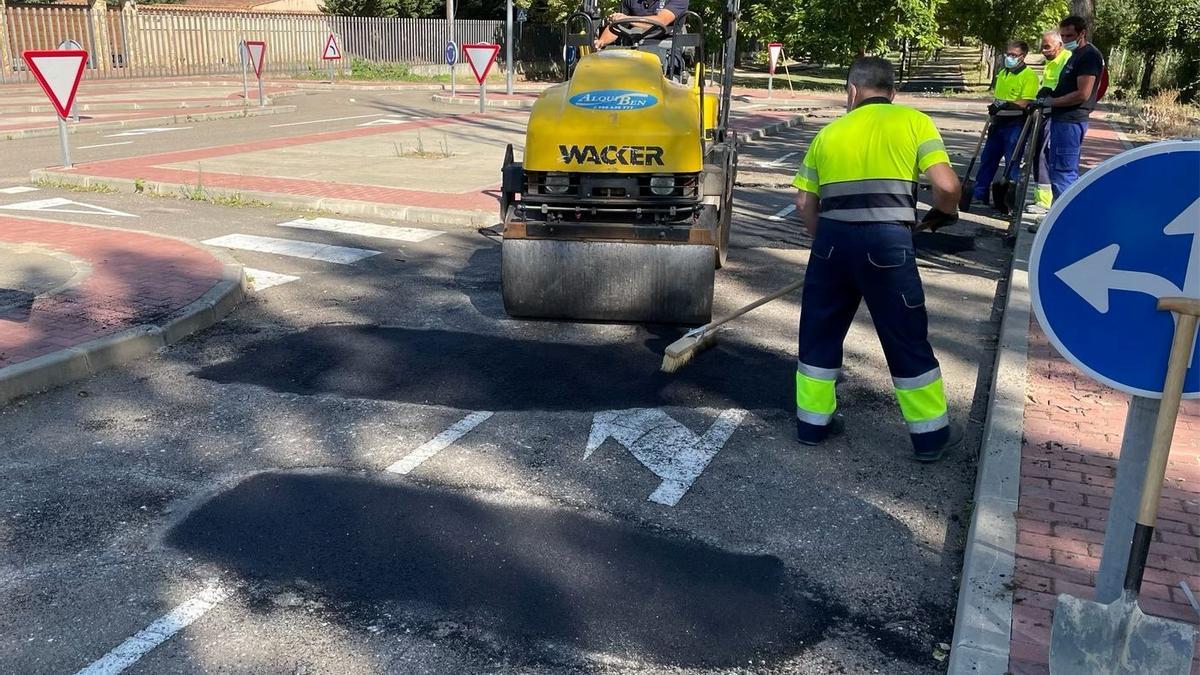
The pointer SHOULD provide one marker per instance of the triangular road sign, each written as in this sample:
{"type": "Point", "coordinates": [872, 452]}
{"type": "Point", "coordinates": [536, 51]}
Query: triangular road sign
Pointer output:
{"type": "Point", "coordinates": [774, 49]}
{"type": "Point", "coordinates": [256, 51]}
{"type": "Point", "coordinates": [481, 56]}
{"type": "Point", "coordinates": [59, 73]}
{"type": "Point", "coordinates": [332, 51]}
{"type": "Point", "coordinates": [60, 205]}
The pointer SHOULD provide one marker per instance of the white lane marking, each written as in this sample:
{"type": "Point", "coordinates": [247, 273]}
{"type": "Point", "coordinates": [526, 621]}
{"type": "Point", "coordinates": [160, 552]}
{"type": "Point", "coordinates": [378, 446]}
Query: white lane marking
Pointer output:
{"type": "Point", "coordinates": [17, 190]}
{"type": "Point", "coordinates": [779, 162]}
{"type": "Point", "coordinates": [666, 447]}
{"type": "Point", "coordinates": [147, 131]}
{"type": "Point", "coordinates": [60, 205]}
{"type": "Point", "coordinates": [261, 280]}
{"type": "Point", "coordinates": [331, 119]}
{"type": "Point", "coordinates": [128, 652]}
{"type": "Point", "coordinates": [341, 255]}
{"type": "Point", "coordinates": [390, 119]}
{"type": "Point", "coordinates": [410, 234]}
{"type": "Point", "coordinates": [103, 145]}
{"type": "Point", "coordinates": [784, 212]}
{"type": "Point", "coordinates": [440, 442]}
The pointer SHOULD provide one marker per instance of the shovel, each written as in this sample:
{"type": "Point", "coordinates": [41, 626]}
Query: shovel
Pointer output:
{"type": "Point", "coordinates": [968, 183]}
{"type": "Point", "coordinates": [1089, 638]}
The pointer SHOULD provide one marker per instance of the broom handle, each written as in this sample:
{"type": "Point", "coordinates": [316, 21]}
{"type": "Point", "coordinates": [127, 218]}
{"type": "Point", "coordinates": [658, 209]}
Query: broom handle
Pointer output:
{"type": "Point", "coordinates": [755, 305]}
{"type": "Point", "coordinates": [1186, 312]}
{"type": "Point", "coordinates": [978, 145]}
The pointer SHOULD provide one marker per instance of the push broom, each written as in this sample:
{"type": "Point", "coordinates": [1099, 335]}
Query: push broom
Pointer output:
{"type": "Point", "coordinates": [680, 352]}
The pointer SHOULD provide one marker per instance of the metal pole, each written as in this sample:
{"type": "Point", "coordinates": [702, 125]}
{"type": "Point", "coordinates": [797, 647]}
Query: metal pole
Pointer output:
{"type": "Point", "coordinates": [508, 61]}
{"type": "Point", "coordinates": [245, 86]}
{"type": "Point", "coordinates": [262, 99]}
{"type": "Point", "coordinates": [482, 95]}
{"type": "Point", "coordinates": [771, 84]}
{"type": "Point", "coordinates": [1126, 495]}
{"type": "Point", "coordinates": [450, 23]}
{"type": "Point", "coordinates": [62, 138]}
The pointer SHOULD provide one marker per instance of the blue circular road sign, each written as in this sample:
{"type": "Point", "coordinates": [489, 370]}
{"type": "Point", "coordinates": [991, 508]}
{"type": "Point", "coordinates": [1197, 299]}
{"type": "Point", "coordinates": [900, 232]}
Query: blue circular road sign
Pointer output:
{"type": "Point", "coordinates": [451, 53]}
{"type": "Point", "coordinates": [1124, 235]}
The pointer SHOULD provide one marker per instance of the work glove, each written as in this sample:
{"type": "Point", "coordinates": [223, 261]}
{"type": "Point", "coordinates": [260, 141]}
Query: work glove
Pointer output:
{"type": "Point", "coordinates": [935, 220]}
{"type": "Point", "coordinates": [993, 108]}
{"type": "Point", "coordinates": [1043, 102]}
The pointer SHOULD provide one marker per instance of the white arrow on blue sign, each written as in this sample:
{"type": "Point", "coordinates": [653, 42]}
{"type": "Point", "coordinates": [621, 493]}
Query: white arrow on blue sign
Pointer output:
{"type": "Point", "coordinates": [451, 53]}
{"type": "Point", "coordinates": [1126, 234]}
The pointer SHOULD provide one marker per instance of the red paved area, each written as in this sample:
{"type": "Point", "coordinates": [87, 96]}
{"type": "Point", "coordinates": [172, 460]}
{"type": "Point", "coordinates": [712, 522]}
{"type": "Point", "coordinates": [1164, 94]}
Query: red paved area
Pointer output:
{"type": "Point", "coordinates": [1071, 444]}
{"type": "Point", "coordinates": [135, 278]}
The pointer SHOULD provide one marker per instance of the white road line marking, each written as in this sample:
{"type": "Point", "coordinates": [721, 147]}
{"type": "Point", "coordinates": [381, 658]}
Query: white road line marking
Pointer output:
{"type": "Point", "coordinates": [128, 652]}
{"type": "Point", "coordinates": [60, 205]}
{"type": "Point", "coordinates": [261, 280]}
{"type": "Point", "coordinates": [410, 234]}
{"type": "Point", "coordinates": [341, 255]}
{"type": "Point", "coordinates": [670, 450]}
{"type": "Point", "coordinates": [147, 131]}
{"type": "Point", "coordinates": [779, 162]}
{"type": "Point", "coordinates": [440, 442]}
{"type": "Point", "coordinates": [332, 119]}
{"type": "Point", "coordinates": [103, 145]}
{"type": "Point", "coordinates": [390, 119]}
{"type": "Point", "coordinates": [784, 212]}
{"type": "Point", "coordinates": [17, 190]}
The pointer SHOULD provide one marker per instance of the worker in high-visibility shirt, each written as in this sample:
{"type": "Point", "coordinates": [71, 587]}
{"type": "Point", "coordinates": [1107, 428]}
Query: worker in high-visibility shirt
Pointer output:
{"type": "Point", "coordinates": [858, 199]}
{"type": "Point", "coordinates": [1056, 57]}
{"type": "Point", "coordinates": [1016, 88]}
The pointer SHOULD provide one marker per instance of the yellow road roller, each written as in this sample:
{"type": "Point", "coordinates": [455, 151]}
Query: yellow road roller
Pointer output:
{"type": "Point", "coordinates": [621, 207]}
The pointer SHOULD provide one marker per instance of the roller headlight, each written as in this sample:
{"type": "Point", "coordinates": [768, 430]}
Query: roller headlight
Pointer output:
{"type": "Point", "coordinates": [557, 183]}
{"type": "Point", "coordinates": [663, 186]}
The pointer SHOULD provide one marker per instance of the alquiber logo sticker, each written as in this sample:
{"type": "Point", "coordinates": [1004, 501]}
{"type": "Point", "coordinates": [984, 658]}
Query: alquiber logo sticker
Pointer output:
{"type": "Point", "coordinates": [613, 99]}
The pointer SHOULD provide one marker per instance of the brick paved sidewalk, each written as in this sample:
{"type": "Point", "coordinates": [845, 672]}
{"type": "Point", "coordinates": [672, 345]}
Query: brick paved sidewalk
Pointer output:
{"type": "Point", "coordinates": [122, 279]}
{"type": "Point", "coordinates": [1070, 448]}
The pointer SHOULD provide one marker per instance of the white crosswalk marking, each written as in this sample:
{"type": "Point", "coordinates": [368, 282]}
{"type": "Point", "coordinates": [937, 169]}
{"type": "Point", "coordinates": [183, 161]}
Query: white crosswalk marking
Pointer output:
{"type": "Point", "coordinates": [409, 234]}
{"type": "Point", "coordinates": [18, 189]}
{"type": "Point", "coordinates": [341, 255]}
{"type": "Point", "coordinates": [261, 280]}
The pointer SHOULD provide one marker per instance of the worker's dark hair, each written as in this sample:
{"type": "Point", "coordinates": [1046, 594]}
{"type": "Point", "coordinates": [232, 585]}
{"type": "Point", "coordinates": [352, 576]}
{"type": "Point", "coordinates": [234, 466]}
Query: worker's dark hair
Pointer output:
{"type": "Point", "coordinates": [1020, 44]}
{"type": "Point", "coordinates": [872, 72]}
{"type": "Point", "coordinates": [1077, 22]}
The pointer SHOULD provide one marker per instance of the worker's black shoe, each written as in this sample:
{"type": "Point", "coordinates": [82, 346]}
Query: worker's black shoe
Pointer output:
{"type": "Point", "coordinates": [954, 437]}
{"type": "Point", "coordinates": [813, 435]}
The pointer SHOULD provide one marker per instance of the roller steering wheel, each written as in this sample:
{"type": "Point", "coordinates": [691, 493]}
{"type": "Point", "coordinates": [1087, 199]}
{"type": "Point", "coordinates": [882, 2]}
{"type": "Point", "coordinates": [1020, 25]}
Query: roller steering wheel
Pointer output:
{"type": "Point", "coordinates": [633, 29]}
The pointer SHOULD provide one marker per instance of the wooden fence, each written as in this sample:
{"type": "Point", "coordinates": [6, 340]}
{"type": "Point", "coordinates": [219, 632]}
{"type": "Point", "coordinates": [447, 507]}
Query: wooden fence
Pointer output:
{"type": "Point", "coordinates": [134, 42]}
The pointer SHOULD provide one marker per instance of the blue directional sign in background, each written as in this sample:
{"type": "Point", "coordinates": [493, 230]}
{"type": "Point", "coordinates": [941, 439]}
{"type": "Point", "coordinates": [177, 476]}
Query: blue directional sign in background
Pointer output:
{"type": "Point", "coordinates": [451, 53]}
{"type": "Point", "coordinates": [1123, 236]}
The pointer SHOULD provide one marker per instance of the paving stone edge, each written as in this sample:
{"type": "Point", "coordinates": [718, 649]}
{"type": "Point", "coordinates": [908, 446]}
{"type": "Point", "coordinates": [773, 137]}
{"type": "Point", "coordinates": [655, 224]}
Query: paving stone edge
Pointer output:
{"type": "Point", "coordinates": [88, 358]}
{"type": "Point", "coordinates": [983, 621]}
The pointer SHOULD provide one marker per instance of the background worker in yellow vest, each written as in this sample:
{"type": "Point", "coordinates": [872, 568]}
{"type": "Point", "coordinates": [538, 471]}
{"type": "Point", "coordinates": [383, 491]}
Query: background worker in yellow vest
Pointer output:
{"type": "Point", "coordinates": [1016, 89]}
{"type": "Point", "coordinates": [1056, 57]}
{"type": "Point", "coordinates": [858, 199]}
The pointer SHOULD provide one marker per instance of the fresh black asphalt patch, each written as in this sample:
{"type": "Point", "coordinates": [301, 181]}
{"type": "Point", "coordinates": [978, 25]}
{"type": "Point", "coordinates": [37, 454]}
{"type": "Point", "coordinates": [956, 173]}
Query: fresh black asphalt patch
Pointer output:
{"type": "Point", "coordinates": [531, 574]}
{"type": "Point", "coordinates": [470, 371]}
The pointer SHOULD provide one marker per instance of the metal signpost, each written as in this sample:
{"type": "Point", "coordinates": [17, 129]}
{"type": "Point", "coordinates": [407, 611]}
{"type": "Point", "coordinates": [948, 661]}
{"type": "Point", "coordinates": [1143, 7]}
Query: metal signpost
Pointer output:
{"type": "Point", "coordinates": [451, 59]}
{"type": "Point", "coordinates": [244, 55]}
{"type": "Point", "coordinates": [331, 53]}
{"type": "Point", "coordinates": [480, 57]}
{"type": "Point", "coordinates": [59, 72]}
{"type": "Point", "coordinates": [256, 52]}
{"type": "Point", "coordinates": [1096, 274]}
{"type": "Point", "coordinates": [774, 49]}
{"type": "Point", "coordinates": [508, 39]}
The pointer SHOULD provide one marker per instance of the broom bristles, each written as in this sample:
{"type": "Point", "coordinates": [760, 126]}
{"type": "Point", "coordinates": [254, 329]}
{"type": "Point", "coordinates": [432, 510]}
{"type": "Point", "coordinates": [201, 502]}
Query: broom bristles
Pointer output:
{"type": "Point", "coordinates": [681, 352]}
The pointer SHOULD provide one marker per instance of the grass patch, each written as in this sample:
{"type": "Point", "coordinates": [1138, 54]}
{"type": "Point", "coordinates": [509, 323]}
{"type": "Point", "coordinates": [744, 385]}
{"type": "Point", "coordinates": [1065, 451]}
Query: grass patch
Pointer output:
{"type": "Point", "coordinates": [1164, 116]}
{"type": "Point", "coordinates": [101, 188]}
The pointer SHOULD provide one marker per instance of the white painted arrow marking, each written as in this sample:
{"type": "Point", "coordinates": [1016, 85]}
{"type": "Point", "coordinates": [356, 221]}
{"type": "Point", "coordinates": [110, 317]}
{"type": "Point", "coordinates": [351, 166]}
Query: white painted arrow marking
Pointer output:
{"type": "Point", "coordinates": [666, 447]}
{"type": "Point", "coordinates": [147, 131]}
{"type": "Point", "coordinates": [60, 205]}
{"type": "Point", "coordinates": [784, 212]}
{"type": "Point", "coordinates": [390, 119]}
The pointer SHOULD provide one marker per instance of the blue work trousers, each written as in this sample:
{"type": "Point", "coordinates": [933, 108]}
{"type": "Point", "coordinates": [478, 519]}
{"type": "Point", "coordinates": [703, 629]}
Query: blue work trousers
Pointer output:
{"type": "Point", "coordinates": [1066, 140]}
{"type": "Point", "coordinates": [1001, 142]}
{"type": "Point", "coordinates": [875, 262]}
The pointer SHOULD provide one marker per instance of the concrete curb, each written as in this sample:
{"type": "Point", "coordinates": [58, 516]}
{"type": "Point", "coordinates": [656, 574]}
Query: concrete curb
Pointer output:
{"type": "Point", "coordinates": [181, 118]}
{"type": "Point", "coordinates": [351, 207]}
{"type": "Point", "coordinates": [89, 358]}
{"type": "Point", "coordinates": [523, 104]}
{"type": "Point", "coordinates": [749, 137]}
{"type": "Point", "coordinates": [983, 622]}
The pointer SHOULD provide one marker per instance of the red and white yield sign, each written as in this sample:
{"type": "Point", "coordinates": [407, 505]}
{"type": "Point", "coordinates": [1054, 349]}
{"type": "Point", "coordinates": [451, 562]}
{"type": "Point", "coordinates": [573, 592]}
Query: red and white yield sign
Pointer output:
{"type": "Point", "coordinates": [481, 56]}
{"type": "Point", "coordinates": [332, 51]}
{"type": "Point", "coordinates": [256, 51]}
{"type": "Point", "coordinates": [58, 72]}
{"type": "Point", "coordinates": [774, 50]}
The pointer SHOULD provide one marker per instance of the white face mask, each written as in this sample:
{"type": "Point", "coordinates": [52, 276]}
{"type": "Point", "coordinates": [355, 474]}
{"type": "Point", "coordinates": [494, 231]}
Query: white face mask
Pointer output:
{"type": "Point", "coordinates": [1071, 46]}
{"type": "Point", "coordinates": [1011, 61]}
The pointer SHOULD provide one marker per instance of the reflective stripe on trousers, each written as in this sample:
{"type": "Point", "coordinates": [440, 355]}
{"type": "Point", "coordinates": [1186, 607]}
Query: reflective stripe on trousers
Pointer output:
{"type": "Point", "coordinates": [815, 397]}
{"type": "Point", "coordinates": [922, 401]}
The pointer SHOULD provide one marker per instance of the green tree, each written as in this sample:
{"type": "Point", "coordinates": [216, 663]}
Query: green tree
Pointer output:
{"type": "Point", "coordinates": [1187, 41]}
{"type": "Point", "coordinates": [1154, 30]}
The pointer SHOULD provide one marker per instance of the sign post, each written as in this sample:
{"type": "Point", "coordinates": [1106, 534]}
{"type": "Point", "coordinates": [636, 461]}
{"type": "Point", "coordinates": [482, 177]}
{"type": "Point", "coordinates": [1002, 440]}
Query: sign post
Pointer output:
{"type": "Point", "coordinates": [331, 53]}
{"type": "Point", "coordinates": [480, 57]}
{"type": "Point", "coordinates": [59, 73]}
{"type": "Point", "coordinates": [508, 38]}
{"type": "Point", "coordinates": [256, 52]}
{"type": "Point", "coordinates": [451, 59]}
{"type": "Point", "coordinates": [244, 55]}
{"type": "Point", "coordinates": [774, 49]}
{"type": "Point", "coordinates": [1096, 275]}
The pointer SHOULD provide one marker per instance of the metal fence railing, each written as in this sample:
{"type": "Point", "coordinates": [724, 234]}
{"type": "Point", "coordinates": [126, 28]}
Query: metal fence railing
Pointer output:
{"type": "Point", "coordinates": [133, 42]}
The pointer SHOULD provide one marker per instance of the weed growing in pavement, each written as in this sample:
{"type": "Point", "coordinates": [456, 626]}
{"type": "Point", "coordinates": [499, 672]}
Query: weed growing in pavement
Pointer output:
{"type": "Point", "coordinates": [419, 151]}
{"type": "Point", "coordinates": [102, 188]}
{"type": "Point", "coordinates": [139, 185]}
{"type": "Point", "coordinates": [1164, 116]}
